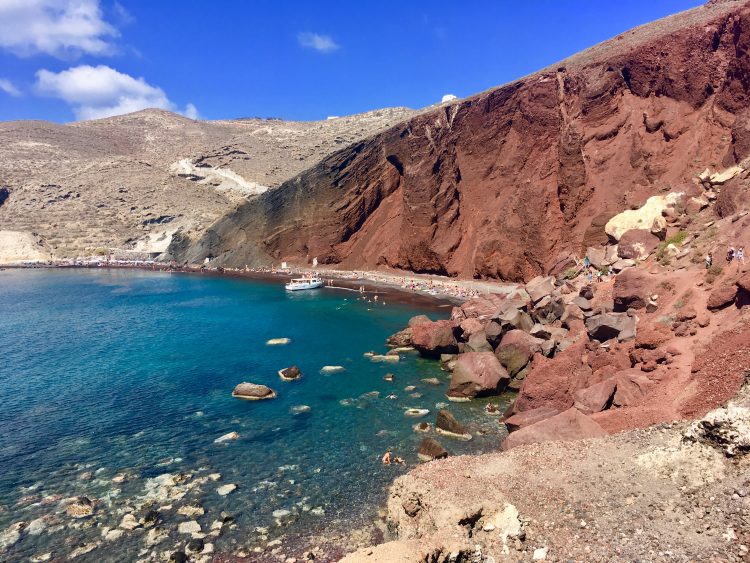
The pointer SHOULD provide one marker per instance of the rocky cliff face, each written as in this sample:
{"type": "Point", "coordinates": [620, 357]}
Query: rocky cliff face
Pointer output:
{"type": "Point", "coordinates": [500, 184]}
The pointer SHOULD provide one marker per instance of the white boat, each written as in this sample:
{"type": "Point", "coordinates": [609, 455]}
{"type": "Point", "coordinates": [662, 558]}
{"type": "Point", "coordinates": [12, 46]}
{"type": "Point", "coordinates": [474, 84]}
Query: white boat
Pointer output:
{"type": "Point", "coordinates": [297, 284]}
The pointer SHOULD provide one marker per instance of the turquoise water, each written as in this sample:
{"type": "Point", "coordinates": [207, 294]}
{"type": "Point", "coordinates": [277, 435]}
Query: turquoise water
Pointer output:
{"type": "Point", "coordinates": [112, 373]}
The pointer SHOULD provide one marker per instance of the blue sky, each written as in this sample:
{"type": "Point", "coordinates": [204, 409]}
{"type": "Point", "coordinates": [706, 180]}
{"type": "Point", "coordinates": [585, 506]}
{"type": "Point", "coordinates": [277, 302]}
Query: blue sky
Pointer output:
{"type": "Point", "coordinates": [63, 60]}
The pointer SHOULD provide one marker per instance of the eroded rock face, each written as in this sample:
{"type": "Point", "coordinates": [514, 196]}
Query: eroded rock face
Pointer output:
{"type": "Point", "coordinates": [455, 191]}
{"type": "Point", "coordinates": [476, 374]}
{"type": "Point", "coordinates": [637, 244]}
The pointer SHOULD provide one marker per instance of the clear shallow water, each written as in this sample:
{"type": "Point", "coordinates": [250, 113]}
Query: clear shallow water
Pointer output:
{"type": "Point", "coordinates": [110, 371]}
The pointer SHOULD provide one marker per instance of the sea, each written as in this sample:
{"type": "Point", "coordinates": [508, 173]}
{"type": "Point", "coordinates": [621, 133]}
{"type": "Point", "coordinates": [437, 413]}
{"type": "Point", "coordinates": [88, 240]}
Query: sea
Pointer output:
{"type": "Point", "coordinates": [115, 385]}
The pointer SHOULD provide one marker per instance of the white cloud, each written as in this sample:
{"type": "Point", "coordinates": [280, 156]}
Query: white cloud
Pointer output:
{"type": "Point", "coordinates": [191, 111]}
{"type": "Point", "coordinates": [321, 43]}
{"type": "Point", "coordinates": [94, 92]}
{"type": "Point", "coordinates": [9, 88]}
{"type": "Point", "coordinates": [448, 98]}
{"type": "Point", "coordinates": [61, 28]}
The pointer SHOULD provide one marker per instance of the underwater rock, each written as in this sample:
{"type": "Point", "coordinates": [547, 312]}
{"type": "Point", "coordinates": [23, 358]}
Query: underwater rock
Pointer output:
{"type": "Point", "coordinates": [278, 341]}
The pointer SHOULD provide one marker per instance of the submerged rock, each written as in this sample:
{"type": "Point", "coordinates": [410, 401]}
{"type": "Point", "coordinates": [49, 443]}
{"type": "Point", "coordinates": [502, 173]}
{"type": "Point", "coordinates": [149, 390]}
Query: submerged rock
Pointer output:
{"type": "Point", "coordinates": [290, 373]}
{"type": "Point", "coordinates": [389, 377]}
{"type": "Point", "coordinates": [82, 507]}
{"type": "Point", "coordinates": [253, 392]}
{"type": "Point", "coordinates": [278, 341]}
{"type": "Point", "coordinates": [189, 527]}
{"type": "Point", "coordinates": [299, 409]}
{"type": "Point", "coordinates": [11, 536]}
{"type": "Point", "coordinates": [422, 427]}
{"type": "Point", "coordinates": [332, 369]}
{"type": "Point", "coordinates": [227, 437]}
{"type": "Point", "coordinates": [416, 413]}
{"type": "Point", "coordinates": [431, 449]}
{"type": "Point", "coordinates": [224, 490]}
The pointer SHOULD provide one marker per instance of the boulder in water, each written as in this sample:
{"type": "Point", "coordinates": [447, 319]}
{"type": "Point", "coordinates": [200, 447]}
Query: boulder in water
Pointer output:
{"type": "Point", "coordinates": [278, 341]}
{"type": "Point", "coordinates": [290, 373]}
{"type": "Point", "coordinates": [332, 369]}
{"type": "Point", "coordinates": [447, 425]}
{"type": "Point", "coordinates": [431, 449]}
{"type": "Point", "coordinates": [227, 437]}
{"type": "Point", "coordinates": [81, 507]}
{"type": "Point", "coordinates": [416, 413]}
{"type": "Point", "coordinates": [253, 392]}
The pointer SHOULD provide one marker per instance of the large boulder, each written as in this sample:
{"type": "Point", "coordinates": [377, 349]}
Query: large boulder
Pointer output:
{"type": "Point", "coordinates": [632, 386]}
{"type": "Point", "coordinates": [630, 290]}
{"type": "Point", "coordinates": [482, 307]}
{"type": "Point", "coordinates": [447, 425]}
{"type": "Point", "coordinates": [637, 244]}
{"type": "Point", "coordinates": [516, 350]}
{"type": "Point", "coordinates": [540, 287]}
{"type": "Point", "coordinates": [431, 449]}
{"type": "Point", "coordinates": [477, 343]}
{"type": "Point", "coordinates": [606, 326]}
{"type": "Point", "coordinates": [475, 374]}
{"type": "Point", "coordinates": [253, 392]}
{"type": "Point", "coordinates": [517, 319]}
{"type": "Point", "coordinates": [290, 374]}
{"type": "Point", "coordinates": [595, 398]}
{"type": "Point", "coordinates": [596, 256]}
{"type": "Point", "coordinates": [470, 326]}
{"type": "Point", "coordinates": [641, 218]}
{"type": "Point", "coordinates": [722, 296]}
{"type": "Point", "coordinates": [527, 418]}
{"type": "Point", "coordinates": [552, 382]}
{"type": "Point", "coordinates": [571, 424]}
{"type": "Point", "coordinates": [434, 338]}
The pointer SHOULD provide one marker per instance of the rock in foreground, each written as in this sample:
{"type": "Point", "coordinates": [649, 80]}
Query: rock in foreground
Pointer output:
{"type": "Point", "coordinates": [571, 424]}
{"type": "Point", "coordinates": [476, 374]}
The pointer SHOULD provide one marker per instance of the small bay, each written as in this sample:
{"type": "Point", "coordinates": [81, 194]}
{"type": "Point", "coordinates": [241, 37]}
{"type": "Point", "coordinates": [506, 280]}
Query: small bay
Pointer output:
{"type": "Point", "coordinates": [111, 378]}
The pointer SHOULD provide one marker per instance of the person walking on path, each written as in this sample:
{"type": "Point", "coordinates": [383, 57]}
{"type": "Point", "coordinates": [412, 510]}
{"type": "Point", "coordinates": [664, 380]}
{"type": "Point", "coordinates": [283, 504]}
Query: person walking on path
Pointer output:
{"type": "Point", "coordinates": [730, 255]}
{"type": "Point", "coordinates": [740, 257]}
{"type": "Point", "coordinates": [709, 260]}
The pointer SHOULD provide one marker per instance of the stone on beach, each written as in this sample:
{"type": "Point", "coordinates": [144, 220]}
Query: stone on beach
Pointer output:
{"type": "Point", "coordinates": [611, 325]}
{"type": "Point", "coordinates": [476, 374]}
{"type": "Point", "coordinates": [253, 392]}
{"type": "Point", "coordinates": [278, 341]}
{"type": "Point", "coordinates": [290, 373]}
{"type": "Point", "coordinates": [431, 449]}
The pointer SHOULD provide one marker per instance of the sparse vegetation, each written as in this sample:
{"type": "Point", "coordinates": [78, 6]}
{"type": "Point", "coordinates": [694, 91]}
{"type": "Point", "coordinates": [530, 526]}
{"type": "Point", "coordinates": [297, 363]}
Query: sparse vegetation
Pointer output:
{"type": "Point", "coordinates": [714, 272]}
{"type": "Point", "coordinates": [667, 286]}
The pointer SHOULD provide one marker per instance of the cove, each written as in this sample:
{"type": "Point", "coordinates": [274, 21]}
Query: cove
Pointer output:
{"type": "Point", "coordinates": [111, 379]}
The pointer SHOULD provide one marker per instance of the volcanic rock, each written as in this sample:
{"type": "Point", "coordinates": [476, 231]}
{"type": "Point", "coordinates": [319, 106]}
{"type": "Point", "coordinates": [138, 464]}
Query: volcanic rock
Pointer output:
{"type": "Point", "coordinates": [540, 287]}
{"type": "Point", "coordinates": [400, 339]}
{"type": "Point", "coordinates": [630, 290]}
{"type": "Point", "coordinates": [527, 418]}
{"type": "Point", "coordinates": [431, 449]}
{"type": "Point", "coordinates": [632, 386]}
{"type": "Point", "coordinates": [476, 374]}
{"type": "Point", "coordinates": [447, 425]}
{"type": "Point", "coordinates": [432, 339]}
{"type": "Point", "coordinates": [290, 373]}
{"type": "Point", "coordinates": [477, 343]}
{"type": "Point", "coordinates": [637, 244]}
{"type": "Point", "coordinates": [571, 424]}
{"type": "Point", "coordinates": [606, 326]}
{"type": "Point", "coordinates": [253, 392]}
{"type": "Point", "coordinates": [596, 398]}
{"type": "Point", "coordinates": [418, 320]}
{"type": "Point", "coordinates": [516, 350]}
{"type": "Point", "coordinates": [722, 296]}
